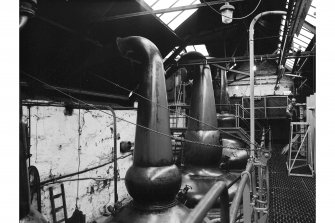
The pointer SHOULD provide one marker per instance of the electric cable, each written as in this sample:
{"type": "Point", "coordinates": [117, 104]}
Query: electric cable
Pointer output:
{"type": "Point", "coordinates": [79, 134]}
{"type": "Point", "coordinates": [149, 129]}
{"type": "Point", "coordinates": [79, 149]}
{"type": "Point", "coordinates": [234, 18]}
{"type": "Point", "coordinates": [171, 110]}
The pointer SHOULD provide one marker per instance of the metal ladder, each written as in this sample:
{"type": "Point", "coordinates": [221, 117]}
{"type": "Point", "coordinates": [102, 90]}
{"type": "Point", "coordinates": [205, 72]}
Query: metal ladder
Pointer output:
{"type": "Point", "coordinates": [54, 209]}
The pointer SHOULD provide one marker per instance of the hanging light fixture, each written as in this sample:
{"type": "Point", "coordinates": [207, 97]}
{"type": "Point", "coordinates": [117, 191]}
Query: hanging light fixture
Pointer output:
{"type": "Point", "coordinates": [227, 13]}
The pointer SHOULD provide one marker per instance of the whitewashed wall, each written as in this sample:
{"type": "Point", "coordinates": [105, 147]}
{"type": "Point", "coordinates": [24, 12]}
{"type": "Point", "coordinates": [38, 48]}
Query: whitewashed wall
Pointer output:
{"type": "Point", "coordinates": [54, 149]}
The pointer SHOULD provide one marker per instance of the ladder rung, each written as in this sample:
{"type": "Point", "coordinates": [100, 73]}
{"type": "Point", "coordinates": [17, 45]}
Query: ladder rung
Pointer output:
{"type": "Point", "coordinates": [57, 196]}
{"type": "Point", "coordinates": [61, 220]}
{"type": "Point", "coordinates": [59, 208]}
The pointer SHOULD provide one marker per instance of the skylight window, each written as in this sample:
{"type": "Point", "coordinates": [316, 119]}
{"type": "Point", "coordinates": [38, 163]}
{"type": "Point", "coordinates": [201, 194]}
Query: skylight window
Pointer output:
{"type": "Point", "coordinates": [201, 49]}
{"type": "Point", "coordinates": [172, 19]}
{"type": "Point", "coordinates": [301, 41]}
{"type": "Point", "coordinates": [198, 48]}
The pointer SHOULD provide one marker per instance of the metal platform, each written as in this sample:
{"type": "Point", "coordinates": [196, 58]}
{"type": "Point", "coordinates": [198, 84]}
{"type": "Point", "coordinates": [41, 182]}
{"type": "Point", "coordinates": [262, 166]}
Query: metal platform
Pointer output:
{"type": "Point", "coordinates": [292, 198]}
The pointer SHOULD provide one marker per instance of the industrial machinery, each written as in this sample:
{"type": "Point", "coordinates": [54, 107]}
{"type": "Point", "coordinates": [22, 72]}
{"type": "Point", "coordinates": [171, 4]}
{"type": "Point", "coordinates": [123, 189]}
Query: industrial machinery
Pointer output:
{"type": "Point", "coordinates": [153, 180]}
{"type": "Point", "coordinates": [206, 147]}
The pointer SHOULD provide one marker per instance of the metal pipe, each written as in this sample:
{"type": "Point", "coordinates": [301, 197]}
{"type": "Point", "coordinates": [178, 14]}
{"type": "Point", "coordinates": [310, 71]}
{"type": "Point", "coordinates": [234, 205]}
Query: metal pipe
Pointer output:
{"type": "Point", "coordinates": [29, 134]}
{"type": "Point", "coordinates": [244, 58]}
{"type": "Point", "coordinates": [200, 211]}
{"type": "Point", "coordinates": [23, 21]}
{"type": "Point", "coordinates": [251, 70]}
{"type": "Point", "coordinates": [116, 197]}
{"type": "Point", "coordinates": [80, 172]}
{"type": "Point", "coordinates": [270, 139]}
{"type": "Point", "coordinates": [231, 70]}
{"type": "Point", "coordinates": [237, 199]}
{"type": "Point", "coordinates": [153, 177]}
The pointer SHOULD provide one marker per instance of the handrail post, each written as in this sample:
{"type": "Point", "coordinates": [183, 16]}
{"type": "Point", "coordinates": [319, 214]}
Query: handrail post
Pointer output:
{"type": "Point", "coordinates": [236, 116]}
{"type": "Point", "coordinates": [238, 195]}
{"type": "Point", "coordinates": [270, 138]}
{"type": "Point", "coordinates": [246, 203]}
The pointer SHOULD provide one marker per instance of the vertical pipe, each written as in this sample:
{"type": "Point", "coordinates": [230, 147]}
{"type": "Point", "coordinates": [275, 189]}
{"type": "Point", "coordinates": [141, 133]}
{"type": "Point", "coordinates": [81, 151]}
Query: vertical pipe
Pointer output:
{"type": "Point", "coordinates": [221, 89]}
{"type": "Point", "coordinates": [116, 197]}
{"type": "Point", "coordinates": [251, 69]}
{"type": "Point", "coordinates": [270, 139]}
{"type": "Point", "coordinates": [224, 205]}
{"type": "Point", "coordinates": [29, 133]}
{"type": "Point", "coordinates": [236, 115]}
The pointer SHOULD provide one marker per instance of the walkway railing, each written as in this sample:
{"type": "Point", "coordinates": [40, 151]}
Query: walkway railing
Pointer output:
{"type": "Point", "coordinates": [252, 190]}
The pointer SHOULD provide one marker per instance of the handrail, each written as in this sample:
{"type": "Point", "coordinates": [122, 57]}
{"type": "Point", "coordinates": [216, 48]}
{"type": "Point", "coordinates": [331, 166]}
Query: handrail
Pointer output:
{"type": "Point", "coordinates": [238, 196]}
{"type": "Point", "coordinates": [199, 212]}
{"type": "Point", "coordinates": [246, 111]}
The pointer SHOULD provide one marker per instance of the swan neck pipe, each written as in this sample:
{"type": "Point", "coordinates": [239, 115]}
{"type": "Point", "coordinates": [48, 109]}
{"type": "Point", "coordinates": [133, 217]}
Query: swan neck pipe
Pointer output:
{"type": "Point", "coordinates": [252, 76]}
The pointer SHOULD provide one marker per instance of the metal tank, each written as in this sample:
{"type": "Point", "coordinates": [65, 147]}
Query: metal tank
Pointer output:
{"type": "Point", "coordinates": [153, 180]}
{"type": "Point", "coordinates": [202, 162]}
{"type": "Point", "coordinates": [227, 119]}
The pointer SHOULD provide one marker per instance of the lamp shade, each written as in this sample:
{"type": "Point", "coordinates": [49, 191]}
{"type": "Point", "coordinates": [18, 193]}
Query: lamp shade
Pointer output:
{"type": "Point", "coordinates": [227, 13]}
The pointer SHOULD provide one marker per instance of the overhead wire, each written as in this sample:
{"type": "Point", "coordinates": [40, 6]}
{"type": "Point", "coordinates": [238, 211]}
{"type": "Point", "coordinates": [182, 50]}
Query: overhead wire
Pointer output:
{"type": "Point", "coordinates": [79, 149]}
{"type": "Point", "coordinates": [259, 2]}
{"type": "Point", "coordinates": [149, 129]}
{"type": "Point", "coordinates": [172, 110]}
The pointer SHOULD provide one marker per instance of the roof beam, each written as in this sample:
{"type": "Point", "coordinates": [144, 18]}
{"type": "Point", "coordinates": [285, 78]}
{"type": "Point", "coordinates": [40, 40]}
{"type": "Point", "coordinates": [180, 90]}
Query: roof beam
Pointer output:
{"type": "Point", "coordinates": [309, 26]}
{"type": "Point", "coordinates": [302, 9]}
{"type": "Point", "coordinates": [69, 30]}
{"type": "Point", "coordinates": [81, 92]}
{"type": "Point", "coordinates": [147, 7]}
{"type": "Point", "coordinates": [245, 58]}
{"type": "Point", "coordinates": [173, 9]}
{"type": "Point", "coordinates": [227, 69]}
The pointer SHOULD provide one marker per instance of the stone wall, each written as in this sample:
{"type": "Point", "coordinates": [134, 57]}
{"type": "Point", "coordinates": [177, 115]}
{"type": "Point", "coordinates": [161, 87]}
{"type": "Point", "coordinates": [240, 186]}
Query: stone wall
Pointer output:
{"type": "Point", "coordinates": [54, 149]}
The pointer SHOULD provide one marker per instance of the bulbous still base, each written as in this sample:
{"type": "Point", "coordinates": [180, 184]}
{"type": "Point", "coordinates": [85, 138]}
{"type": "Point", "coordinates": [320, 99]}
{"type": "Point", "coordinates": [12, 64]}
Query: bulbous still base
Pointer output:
{"type": "Point", "coordinates": [201, 179]}
{"type": "Point", "coordinates": [237, 162]}
{"type": "Point", "coordinates": [131, 213]}
{"type": "Point", "coordinates": [148, 185]}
